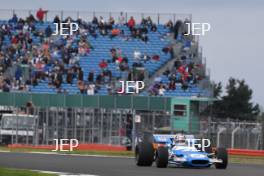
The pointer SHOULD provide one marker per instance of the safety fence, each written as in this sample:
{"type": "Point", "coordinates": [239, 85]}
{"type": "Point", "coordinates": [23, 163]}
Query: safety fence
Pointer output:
{"type": "Point", "coordinates": [158, 18]}
{"type": "Point", "coordinates": [234, 135]}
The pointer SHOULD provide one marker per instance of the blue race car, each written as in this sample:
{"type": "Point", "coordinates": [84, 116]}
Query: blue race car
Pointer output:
{"type": "Point", "coordinates": [175, 150]}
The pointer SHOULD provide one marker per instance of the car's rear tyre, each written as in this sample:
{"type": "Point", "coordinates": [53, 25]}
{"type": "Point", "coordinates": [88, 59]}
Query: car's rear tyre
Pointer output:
{"type": "Point", "coordinates": [144, 154]}
{"type": "Point", "coordinates": [162, 156]}
{"type": "Point", "coordinates": [221, 153]}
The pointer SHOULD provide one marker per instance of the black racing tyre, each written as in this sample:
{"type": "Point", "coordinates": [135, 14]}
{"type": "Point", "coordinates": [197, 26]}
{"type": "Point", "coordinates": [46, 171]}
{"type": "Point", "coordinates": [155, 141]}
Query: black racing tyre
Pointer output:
{"type": "Point", "coordinates": [144, 154]}
{"type": "Point", "coordinates": [162, 156]}
{"type": "Point", "coordinates": [221, 153]}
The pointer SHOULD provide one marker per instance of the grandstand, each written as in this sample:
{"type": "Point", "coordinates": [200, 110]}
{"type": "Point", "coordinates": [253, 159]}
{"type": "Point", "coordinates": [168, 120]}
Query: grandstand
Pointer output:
{"type": "Point", "coordinates": [62, 71]}
{"type": "Point", "coordinates": [65, 53]}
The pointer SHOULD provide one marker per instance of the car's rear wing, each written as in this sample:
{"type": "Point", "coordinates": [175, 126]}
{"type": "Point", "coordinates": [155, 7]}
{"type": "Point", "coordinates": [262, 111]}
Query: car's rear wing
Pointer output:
{"type": "Point", "coordinates": [168, 138]}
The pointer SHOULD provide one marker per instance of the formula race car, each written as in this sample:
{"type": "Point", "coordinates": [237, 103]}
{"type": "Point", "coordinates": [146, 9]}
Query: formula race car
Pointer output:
{"type": "Point", "coordinates": [177, 150]}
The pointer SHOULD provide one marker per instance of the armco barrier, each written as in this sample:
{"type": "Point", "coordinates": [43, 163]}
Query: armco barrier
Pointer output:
{"type": "Point", "coordinates": [246, 152]}
{"type": "Point", "coordinates": [81, 147]}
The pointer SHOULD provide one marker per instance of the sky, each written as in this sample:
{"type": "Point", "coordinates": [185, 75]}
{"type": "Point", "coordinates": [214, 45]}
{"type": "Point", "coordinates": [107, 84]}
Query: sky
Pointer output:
{"type": "Point", "coordinates": [234, 46]}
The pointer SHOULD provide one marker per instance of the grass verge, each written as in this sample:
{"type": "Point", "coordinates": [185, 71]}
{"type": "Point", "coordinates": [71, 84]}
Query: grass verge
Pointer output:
{"type": "Point", "coordinates": [21, 172]}
{"type": "Point", "coordinates": [240, 159]}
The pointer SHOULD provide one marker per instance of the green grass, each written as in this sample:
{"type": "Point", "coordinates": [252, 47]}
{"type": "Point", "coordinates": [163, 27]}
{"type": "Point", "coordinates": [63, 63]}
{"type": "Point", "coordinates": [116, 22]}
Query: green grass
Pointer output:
{"type": "Point", "coordinates": [107, 153]}
{"type": "Point", "coordinates": [20, 172]}
{"type": "Point", "coordinates": [240, 159]}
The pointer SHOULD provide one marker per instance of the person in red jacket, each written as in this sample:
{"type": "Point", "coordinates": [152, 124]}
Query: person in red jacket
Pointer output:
{"type": "Point", "coordinates": [103, 64]}
{"type": "Point", "coordinates": [40, 14]}
{"type": "Point", "coordinates": [131, 23]}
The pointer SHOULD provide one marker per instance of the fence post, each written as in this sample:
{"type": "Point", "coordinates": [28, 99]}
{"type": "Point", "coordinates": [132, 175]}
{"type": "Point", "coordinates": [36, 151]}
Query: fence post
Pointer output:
{"type": "Point", "coordinates": [16, 126]}
{"type": "Point", "coordinates": [84, 124]}
{"type": "Point", "coordinates": [133, 131]}
{"type": "Point", "coordinates": [110, 129]}
{"type": "Point", "coordinates": [233, 136]}
{"type": "Point", "coordinates": [101, 125]}
{"type": "Point", "coordinates": [221, 130]}
{"type": "Point", "coordinates": [262, 131]}
{"type": "Point", "coordinates": [158, 18]}
{"type": "Point", "coordinates": [62, 15]}
{"type": "Point", "coordinates": [1, 126]}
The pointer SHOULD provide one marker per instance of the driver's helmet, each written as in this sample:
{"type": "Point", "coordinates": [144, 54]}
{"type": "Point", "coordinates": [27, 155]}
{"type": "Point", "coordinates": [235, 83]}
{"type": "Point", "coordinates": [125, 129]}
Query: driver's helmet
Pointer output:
{"type": "Point", "coordinates": [179, 140]}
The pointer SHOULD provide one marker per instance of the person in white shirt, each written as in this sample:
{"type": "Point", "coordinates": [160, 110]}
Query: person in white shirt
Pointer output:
{"type": "Point", "coordinates": [137, 55]}
{"type": "Point", "coordinates": [161, 90]}
{"type": "Point", "coordinates": [121, 19]}
{"type": "Point", "coordinates": [90, 89]}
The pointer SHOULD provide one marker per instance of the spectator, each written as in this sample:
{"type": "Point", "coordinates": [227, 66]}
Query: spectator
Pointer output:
{"type": "Point", "coordinates": [103, 64]}
{"type": "Point", "coordinates": [131, 23]}
{"type": "Point", "coordinates": [149, 21]}
{"type": "Point", "coordinates": [83, 49]}
{"type": "Point", "coordinates": [99, 79]}
{"type": "Point", "coordinates": [40, 14]}
{"type": "Point", "coordinates": [69, 77]}
{"type": "Point", "coordinates": [154, 28]}
{"type": "Point", "coordinates": [177, 28]}
{"type": "Point", "coordinates": [144, 37]}
{"type": "Point", "coordinates": [80, 74]}
{"type": "Point", "coordinates": [137, 55]}
{"type": "Point", "coordinates": [29, 19]}
{"type": "Point", "coordinates": [169, 25]}
{"type": "Point", "coordinates": [111, 21]}
{"type": "Point", "coordinates": [90, 89]}
{"type": "Point", "coordinates": [186, 23]}
{"type": "Point", "coordinates": [114, 33]}
{"type": "Point", "coordinates": [48, 31]}
{"type": "Point", "coordinates": [14, 19]}
{"type": "Point", "coordinates": [56, 19]}
{"type": "Point", "coordinates": [95, 20]}
{"type": "Point", "coordinates": [155, 57]}
{"type": "Point", "coordinates": [121, 19]}
{"type": "Point", "coordinates": [81, 86]}
{"type": "Point", "coordinates": [161, 90]}
{"type": "Point", "coordinates": [146, 57]}
{"type": "Point", "coordinates": [172, 85]}
{"type": "Point", "coordinates": [91, 76]}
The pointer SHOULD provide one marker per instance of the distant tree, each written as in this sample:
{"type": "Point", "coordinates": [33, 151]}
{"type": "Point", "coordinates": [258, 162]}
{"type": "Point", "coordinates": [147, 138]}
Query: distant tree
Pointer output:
{"type": "Point", "coordinates": [236, 104]}
{"type": "Point", "coordinates": [217, 89]}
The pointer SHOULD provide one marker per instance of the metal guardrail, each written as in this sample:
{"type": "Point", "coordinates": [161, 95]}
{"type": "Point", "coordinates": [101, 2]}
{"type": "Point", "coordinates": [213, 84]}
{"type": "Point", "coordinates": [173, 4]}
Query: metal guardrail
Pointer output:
{"type": "Point", "coordinates": [158, 18]}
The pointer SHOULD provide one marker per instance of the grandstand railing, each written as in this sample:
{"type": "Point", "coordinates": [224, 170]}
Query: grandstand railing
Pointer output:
{"type": "Point", "coordinates": [158, 18]}
{"type": "Point", "coordinates": [96, 101]}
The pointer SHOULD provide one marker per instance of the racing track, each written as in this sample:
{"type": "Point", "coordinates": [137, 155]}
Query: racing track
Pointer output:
{"type": "Point", "coordinates": [105, 166]}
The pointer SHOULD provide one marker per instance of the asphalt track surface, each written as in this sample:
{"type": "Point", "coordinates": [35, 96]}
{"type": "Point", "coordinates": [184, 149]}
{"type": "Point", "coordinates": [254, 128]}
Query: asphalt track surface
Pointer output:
{"type": "Point", "coordinates": [114, 166]}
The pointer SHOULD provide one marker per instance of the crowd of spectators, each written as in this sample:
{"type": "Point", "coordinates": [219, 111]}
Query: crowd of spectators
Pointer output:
{"type": "Point", "coordinates": [56, 59]}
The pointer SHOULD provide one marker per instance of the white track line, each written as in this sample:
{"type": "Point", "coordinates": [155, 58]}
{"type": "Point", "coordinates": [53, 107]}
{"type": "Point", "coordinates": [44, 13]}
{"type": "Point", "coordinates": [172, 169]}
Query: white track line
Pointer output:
{"type": "Point", "coordinates": [65, 154]}
{"type": "Point", "coordinates": [62, 173]}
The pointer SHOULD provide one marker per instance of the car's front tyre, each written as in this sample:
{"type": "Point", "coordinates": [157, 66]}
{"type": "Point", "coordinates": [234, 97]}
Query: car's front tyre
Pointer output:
{"type": "Point", "coordinates": [221, 153]}
{"type": "Point", "coordinates": [162, 156]}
